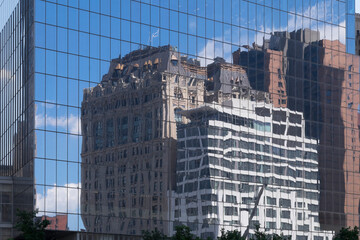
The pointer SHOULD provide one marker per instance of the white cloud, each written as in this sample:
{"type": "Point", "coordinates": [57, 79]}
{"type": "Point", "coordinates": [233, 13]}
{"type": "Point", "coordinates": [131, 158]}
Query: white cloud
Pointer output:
{"type": "Point", "coordinates": [357, 6]}
{"type": "Point", "coordinates": [59, 199]}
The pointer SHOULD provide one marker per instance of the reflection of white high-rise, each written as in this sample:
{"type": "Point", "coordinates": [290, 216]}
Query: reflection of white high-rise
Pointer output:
{"type": "Point", "coordinates": [228, 153]}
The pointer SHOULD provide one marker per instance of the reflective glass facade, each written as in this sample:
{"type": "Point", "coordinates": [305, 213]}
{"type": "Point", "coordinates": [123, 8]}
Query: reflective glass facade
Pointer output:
{"type": "Point", "coordinates": [119, 116]}
{"type": "Point", "coordinates": [357, 32]}
{"type": "Point", "coordinates": [16, 111]}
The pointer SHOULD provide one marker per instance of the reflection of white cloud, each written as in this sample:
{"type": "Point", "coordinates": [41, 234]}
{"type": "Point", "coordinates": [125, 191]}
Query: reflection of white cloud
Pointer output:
{"type": "Point", "coordinates": [4, 75]}
{"type": "Point", "coordinates": [64, 199]}
{"type": "Point", "coordinates": [214, 48]}
{"type": "Point", "coordinates": [72, 123]}
{"type": "Point", "coordinates": [39, 121]}
{"type": "Point", "coordinates": [326, 31]}
{"type": "Point", "coordinates": [192, 25]}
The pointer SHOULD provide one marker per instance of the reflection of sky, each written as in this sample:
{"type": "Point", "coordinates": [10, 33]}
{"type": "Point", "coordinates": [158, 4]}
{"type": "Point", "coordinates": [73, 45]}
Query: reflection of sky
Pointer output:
{"type": "Point", "coordinates": [6, 8]}
{"type": "Point", "coordinates": [60, 172]}
{"type": "Point", "coordinates": [228, 37]}
{"type": "Point", "coordinates": [218, 31]}
{"type": "Point", "coordinates": [64, 199]}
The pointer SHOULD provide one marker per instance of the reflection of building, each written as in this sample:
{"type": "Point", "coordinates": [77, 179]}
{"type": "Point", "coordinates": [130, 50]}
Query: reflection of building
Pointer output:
{"type": "Point", "coordinates": [339, 154]}
{"type": "Point", "coordinates": [15, 193]}
{"type": "Point", "coordinates": [6, 207]}
{"type": "Point", "coordinates": [357, 33]}
{"type": "Point", "coordinates": [129, 144]}
{"type": "Point", "coordinates": [59, 222]}
{"type": "Point", "coordinates": [16, 185]}
{"type": "Point", "coordinates": [328, 97]}
{"type": "Point", "coordinates": [226, 81]}
{"type": "Point", "coordinates": [266, 72]}
{"type": "Point", "coordinates": [280, 67]}
{"type": "Point", "coordinates": [227, 154]}
{"type": "Point", "coordinates": [129, 124]}
{"type": "Point", "coordinates": [16, 122]}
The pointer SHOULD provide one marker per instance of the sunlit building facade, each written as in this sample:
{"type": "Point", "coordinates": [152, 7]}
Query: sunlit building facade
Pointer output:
{"type": "Point", "coordinates": [94, 94]}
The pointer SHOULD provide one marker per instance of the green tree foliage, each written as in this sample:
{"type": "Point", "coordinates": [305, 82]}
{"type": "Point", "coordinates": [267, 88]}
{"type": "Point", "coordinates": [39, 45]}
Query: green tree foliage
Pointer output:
{"type": "Point", "coordinates": [31, 227]}
{"type": "Point", "coordinates": [347, 234]}
{"type": "Point", "coordinates": [230, 235]}
{"type": "Point", "coordinates": [154, 235]}
{"type": "Point", "coordinates": [263, 236]}
{"type": "Point", "coordinates": [258, 234]}
{"type": "Point", "coordinates": [182, 232]}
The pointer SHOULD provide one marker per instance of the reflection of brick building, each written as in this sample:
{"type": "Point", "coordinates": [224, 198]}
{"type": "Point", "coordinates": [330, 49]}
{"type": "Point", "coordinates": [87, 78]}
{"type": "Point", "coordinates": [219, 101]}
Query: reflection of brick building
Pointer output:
{"type": "Point", "coordinates": [266, 72]}
{"type": "Point", "coordinates": [339, 141]}
{"type": "Point", "coordinates": [328, 96]}
{"type": "Point", "coordinates": [59, 222]}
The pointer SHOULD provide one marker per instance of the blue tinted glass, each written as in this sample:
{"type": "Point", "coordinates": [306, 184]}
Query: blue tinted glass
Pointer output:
{"type": "Point", "coordinates": [136, 115]}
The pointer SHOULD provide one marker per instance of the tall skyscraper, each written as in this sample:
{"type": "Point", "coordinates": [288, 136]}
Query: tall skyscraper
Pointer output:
{"type": "Point", "coordinates": [108, 111]}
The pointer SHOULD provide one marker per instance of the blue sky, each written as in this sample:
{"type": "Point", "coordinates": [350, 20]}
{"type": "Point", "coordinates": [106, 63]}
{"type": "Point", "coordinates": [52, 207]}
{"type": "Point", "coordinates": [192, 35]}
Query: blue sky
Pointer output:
{"type": "Point", "coordinates": [357, 5]}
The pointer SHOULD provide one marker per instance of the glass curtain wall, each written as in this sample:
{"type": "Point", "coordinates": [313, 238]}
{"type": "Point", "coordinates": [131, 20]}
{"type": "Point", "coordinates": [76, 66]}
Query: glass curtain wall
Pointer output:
{"type": "Point", "coordinates": [148, 114]}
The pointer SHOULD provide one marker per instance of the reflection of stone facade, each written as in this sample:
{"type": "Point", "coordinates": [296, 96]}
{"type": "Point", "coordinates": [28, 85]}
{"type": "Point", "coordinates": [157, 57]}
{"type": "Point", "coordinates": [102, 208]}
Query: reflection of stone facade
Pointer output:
{"type": "Point", "coordinates": [226, 81]}
{"type": "Point", "coordinates": [227, 154]}
{"type": "Point", "coordinates": [129, 143]}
